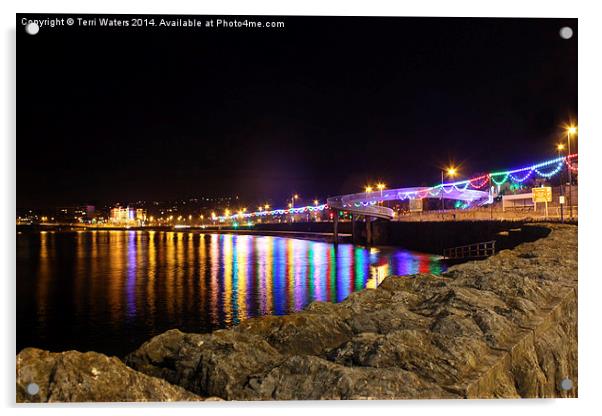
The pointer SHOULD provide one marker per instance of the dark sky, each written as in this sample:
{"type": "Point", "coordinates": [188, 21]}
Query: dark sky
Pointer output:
{"type": "Point", "coordinates": [320, 107]}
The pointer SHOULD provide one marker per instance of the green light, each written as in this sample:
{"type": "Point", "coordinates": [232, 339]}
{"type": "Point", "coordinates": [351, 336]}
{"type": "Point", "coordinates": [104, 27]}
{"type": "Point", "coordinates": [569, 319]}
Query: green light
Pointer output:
{"type": "Point", "coordinates": [499, 183]}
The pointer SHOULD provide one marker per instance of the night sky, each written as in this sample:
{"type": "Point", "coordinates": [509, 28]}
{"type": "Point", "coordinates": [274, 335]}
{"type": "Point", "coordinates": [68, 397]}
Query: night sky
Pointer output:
{"type": "Point", "coordinates": [320, 108]}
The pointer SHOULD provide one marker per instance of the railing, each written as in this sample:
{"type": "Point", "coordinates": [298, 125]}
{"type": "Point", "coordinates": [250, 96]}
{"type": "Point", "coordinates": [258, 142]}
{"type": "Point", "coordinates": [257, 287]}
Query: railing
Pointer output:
{"type": "Point", "coordinates": [374, 210]}
{"type": "Point", "coordinates": [471, 251]}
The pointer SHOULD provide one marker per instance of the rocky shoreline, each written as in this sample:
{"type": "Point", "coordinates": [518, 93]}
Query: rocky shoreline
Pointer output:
{"type": "Point", "coordinates": [504, 327]}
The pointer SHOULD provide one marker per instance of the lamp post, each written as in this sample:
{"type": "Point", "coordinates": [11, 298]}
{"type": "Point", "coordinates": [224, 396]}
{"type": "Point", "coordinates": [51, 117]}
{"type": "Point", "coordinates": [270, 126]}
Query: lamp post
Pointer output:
{"type": "Point", "coordinates": [570, 130]}
{"type": "Point", "coordinates": [292, 206]}
{"type": "Point", "coordinates": [380, 187]}
{"type": "Point", "coordinates": [451, 172]}
{"type": "Point", "coordinates": [227, 214]}
{"type": "Point", "coordinates": [560, 148]}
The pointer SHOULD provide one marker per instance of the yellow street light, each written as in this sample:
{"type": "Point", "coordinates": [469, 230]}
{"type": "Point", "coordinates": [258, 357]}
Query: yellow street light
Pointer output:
{"type": "Point", "coordinates": [266, 206]}
{"type": "Point", "coordinates": [450, 172]}
{"type": "Point", "coordinates": [368, 189]}
{"type": "Point", "coordinates": [571, 129]}
{"type": "Point", "coordinates": [380, 187]}
{"type": "Point", "coordinates": [315, 202]}
{"type": "Point", "coordinates": [292, 204]}
{"type": "Point", "coordinates": [560, 146]}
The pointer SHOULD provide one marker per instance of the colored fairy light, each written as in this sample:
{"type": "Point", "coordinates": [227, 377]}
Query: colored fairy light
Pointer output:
{"type": "Point", "coordinates": [522, 179]}
{"type": "Point", "coordinates": [499, 182]}
{"type": "Point", "coordinates": [552, 172]}
{"type": "Point", "coordinates": [474, 182]}
{"type": "Point", "coordinates": [516, 176]}
{"type": "Point", "coordinates": [499, 178]}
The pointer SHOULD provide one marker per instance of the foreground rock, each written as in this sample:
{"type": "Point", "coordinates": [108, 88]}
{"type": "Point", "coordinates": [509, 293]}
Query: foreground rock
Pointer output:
{"type": "Point", "coordinates": [81, 377]}
{"type": "Point", "coordinates": [501, 327]}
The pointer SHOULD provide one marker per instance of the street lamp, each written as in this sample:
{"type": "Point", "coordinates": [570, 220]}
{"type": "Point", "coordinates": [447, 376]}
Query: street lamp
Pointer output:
{"type": "Point", "coordinates": [380, 187]}
{"type": "Point", "coordinates": [570, 130]}
{"type": "Point", "coordinates": [292, 206]}
{"type": "Point", "coordinates": [450, 172]}
{"type": "Point", "coordinates": [315, 202]}
{"type": "Point", "coordinates": [560, 148]}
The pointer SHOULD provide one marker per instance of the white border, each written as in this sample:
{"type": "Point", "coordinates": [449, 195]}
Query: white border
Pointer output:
{"type": "Point", "coordinates": [590, 129]}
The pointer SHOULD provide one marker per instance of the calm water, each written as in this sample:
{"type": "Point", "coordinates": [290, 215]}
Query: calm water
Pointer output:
{"type": "Point", "coordinates": [109, 291]}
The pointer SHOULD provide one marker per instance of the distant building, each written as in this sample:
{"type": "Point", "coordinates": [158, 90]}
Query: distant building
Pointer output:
{"type": "Point", "coordinates": [128, 216]}
{"type": "Point", "coordinates": [77, 213]}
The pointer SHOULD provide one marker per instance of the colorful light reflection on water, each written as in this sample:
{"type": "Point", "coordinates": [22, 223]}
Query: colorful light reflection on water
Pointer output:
{"type": "Point", "coordinates": [110, 291]}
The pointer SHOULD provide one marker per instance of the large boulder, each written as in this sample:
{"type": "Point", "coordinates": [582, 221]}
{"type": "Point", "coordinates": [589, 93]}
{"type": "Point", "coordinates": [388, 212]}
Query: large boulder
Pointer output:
{"type": "Point", "coordinates": [319, 328]}
{"type": "Point", "coordinates": [312, 378]}
{"type": "Point", "coordinates": [217, 364]}
{"type": "Point", "coordinates": [73, 376]}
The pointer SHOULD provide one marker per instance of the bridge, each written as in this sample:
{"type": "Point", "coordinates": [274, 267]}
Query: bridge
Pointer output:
{"type": "Point", "coordinates": [474, 192]}
{"type": "Point", "coordinates": [365, 203]}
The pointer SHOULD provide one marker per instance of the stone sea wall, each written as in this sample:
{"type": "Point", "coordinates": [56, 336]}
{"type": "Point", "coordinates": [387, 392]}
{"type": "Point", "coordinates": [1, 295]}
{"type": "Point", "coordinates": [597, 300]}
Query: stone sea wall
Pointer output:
{"type": "Point", "coordinates": [504, 327]}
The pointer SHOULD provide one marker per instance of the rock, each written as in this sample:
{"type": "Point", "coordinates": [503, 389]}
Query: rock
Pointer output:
{"type": "Point", "coordinates": [314, 331]}
{"type": "Point", "coordinates": [313, 378]}
{"type": "Point", "coordinates": [74, 376]}
{"type": "Point", "coordinates": [216, 364]}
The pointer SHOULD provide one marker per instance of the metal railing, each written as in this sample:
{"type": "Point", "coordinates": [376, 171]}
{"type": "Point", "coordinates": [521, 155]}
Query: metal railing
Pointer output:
{"type": "Point", "coordinates": [471, 251]}
{"type": "Point", "coordinates": [338, 203]}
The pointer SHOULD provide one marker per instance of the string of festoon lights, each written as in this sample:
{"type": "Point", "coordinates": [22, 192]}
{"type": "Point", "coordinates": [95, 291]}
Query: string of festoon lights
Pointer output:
{"type": "Point", "coordinates": [545, 169]}
{"type": "Point", "coordinates": [298, 210]}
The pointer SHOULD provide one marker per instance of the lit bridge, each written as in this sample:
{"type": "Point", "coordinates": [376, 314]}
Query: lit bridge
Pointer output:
{"type": "Point", "coordinates": [365, 203]}
{"type": "Point", "coordinates": [476, 191]}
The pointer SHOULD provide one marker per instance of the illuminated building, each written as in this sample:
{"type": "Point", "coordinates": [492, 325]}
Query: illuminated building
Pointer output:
{"type": "Point", "coordinates": [128, 216]}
